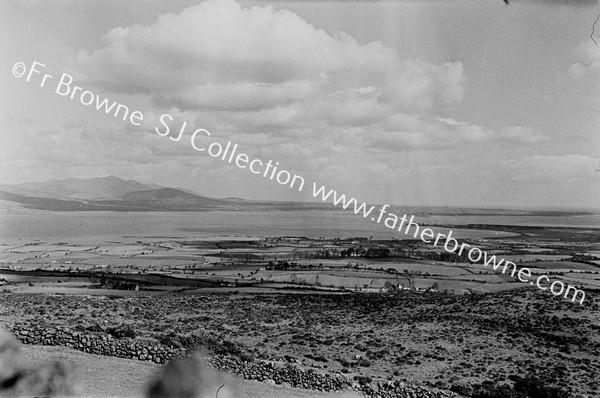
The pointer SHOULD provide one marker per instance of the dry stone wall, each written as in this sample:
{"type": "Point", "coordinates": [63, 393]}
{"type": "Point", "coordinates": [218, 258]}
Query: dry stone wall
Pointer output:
{"type": "Point", "coordinates": [290, 375]}
{"type": "Point", "coordinates": [94, 343]}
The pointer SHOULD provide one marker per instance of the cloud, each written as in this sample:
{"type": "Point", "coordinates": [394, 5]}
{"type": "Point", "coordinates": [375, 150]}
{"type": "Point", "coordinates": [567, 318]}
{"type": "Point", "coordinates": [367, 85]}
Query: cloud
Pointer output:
{"type": "Point", "coordinates": [451, 122]}
{"type": "Point", "coordinates": [269, 72]}
{"type": "Point", "coordinates": [321, 103]}
{"type": "Point", "coordinates": [404, 132]}
{"type": "Point", "coordinates": [561, 169]}
{"type": "Point", "coordinates": [426, 85]}
{"type": "Point", "coordinates": [520, 135]}
{"type": "Point", "coordinates": [222, 56]}
{"type": "Point", "coordinates": [240, 96]}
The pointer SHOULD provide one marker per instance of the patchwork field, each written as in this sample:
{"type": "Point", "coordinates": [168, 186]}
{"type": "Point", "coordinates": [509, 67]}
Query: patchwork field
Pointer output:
{"type": "Point", "coordinates": [349, 264]}
{"type": "Point", "coordinates": [371, 310]}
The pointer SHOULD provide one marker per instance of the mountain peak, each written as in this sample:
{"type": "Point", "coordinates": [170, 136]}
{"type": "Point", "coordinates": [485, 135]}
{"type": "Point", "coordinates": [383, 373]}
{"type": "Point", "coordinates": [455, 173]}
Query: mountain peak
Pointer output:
{"type": "Point", "coordinates": [94, 188]}
{"type": "Point", "coordinates": [109, 177]}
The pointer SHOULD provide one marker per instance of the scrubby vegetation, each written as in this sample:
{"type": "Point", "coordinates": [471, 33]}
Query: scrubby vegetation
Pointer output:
{"type": "Point", "coordinates": [510, 344]}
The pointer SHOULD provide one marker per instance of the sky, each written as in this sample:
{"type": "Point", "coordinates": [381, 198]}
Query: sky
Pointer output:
{"type": "Point", "coordinates": [427, 103]}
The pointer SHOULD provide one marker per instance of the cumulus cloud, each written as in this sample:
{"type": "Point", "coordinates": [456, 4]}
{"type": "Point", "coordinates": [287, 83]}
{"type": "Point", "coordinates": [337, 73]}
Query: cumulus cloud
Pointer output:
{"type": "Point", "coordinates": [283, 88]}
{"type": "Point", "coordinates": [220, 55]}
{"type": "Point", "coordinates": [569, 168]}
{"type": "Point", "coordinates": [240, 96]}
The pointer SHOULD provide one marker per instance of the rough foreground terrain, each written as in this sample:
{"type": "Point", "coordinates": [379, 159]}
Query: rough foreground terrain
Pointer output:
{"type": "Point", "coordinates": [501, 343]}
{"type": "Point", "coordinates": [100, 376]}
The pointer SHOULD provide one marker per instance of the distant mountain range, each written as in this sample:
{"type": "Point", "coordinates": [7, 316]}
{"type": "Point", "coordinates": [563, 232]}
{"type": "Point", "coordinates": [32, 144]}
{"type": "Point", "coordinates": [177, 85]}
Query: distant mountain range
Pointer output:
{"type": "Point", "coordinates": [115, 194]}
{"type": "Point", "coordinates": [78, 189]}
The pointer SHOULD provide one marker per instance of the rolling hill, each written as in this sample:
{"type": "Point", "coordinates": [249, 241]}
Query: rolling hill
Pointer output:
{"type": "Point", "coordinates": [84, 189]}
{"type": "Point", "coordinates": [115, 194]}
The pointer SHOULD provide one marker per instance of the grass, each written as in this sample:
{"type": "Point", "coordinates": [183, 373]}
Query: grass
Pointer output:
{"type": "Point", "coordinates": [106, 377]}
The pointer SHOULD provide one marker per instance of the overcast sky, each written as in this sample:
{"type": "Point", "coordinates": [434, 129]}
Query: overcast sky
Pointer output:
{"type": "Point", "coordinates": [457, 103]}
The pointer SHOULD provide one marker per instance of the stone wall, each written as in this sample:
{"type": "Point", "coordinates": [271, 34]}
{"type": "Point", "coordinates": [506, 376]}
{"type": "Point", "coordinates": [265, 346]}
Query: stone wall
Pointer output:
{"type": "Point", "coordinates": [265, 371]}
{"type": "Point", "coordinates": [281, 374]}
{"type": "Point", "coordinates": [94, 343]}
{"type": "Point", "coordinates": [294, 376]}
